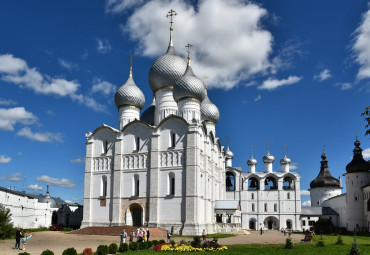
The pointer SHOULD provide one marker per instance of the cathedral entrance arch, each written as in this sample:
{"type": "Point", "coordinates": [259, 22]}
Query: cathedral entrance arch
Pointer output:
{"type": "Point", "coordinates": [134, 215]}
{"type": "Point", "coordinates": [252, 224]}
{"type": "Point", "coordinates": [271, 223]}
{"type": "Point", "coordinates": [289, 224]}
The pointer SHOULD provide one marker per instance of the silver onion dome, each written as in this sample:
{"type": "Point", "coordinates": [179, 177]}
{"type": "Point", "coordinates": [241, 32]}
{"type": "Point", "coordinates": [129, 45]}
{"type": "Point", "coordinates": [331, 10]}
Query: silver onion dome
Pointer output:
{"type": "Point", "coordinates": [189, 86]}
{"type": "Point", "coordinates": [252, 161]}
{"type": "Point", "coordinates": [229, 154]}
{"type": "Point", "coordinates": [285, 160]}
{"type": "Point", "coordinates": [268, 158]}
{"type": "Point", "coordinates": [209, 111]}
{"type": "Point", "coordinates": [129, 94]}
{"type": "Point", "coordinates": [166, 70]}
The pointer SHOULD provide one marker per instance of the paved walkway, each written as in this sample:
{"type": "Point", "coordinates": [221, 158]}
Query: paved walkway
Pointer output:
{"type": "Point", "coordinates": [58, 241]}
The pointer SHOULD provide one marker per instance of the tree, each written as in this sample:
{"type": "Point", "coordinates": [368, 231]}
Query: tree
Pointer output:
{"type": "Point", "coordinates": [366, 113]}
{"type": "Point", "coordinates": [6, 227]}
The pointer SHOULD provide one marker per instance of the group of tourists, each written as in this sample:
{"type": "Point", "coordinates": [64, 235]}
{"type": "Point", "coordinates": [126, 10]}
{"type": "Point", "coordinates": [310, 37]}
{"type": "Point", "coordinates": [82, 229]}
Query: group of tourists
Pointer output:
{"type": "Point", "coordinates": [141, 235]}
{"type": "Point", "coordinates": [21, 234]}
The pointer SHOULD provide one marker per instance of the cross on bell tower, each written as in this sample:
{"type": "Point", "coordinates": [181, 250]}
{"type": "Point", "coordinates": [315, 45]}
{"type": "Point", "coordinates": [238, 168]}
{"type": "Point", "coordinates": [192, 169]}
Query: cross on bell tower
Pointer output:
{"type": "Point", "coordinates": [188, 46]}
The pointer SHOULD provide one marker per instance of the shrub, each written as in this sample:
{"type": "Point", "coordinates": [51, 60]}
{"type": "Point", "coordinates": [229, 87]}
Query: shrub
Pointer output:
{"type": "Point", "coordinates": [24, 253]}
{"type": "Point", "coordinates": [339, 240]}
{"type": "Point", "coordinates": [47, 252]}
{"type": "Point", "coordinates": [133, 246]}
{"type": "Point", "coordinates": [354, 249]}
{"type": "Point", "coordinates": [142, 246]}
{"type": "Point", "coordinates": [6, 226]}
{"type": "Point", "coordinates": [113, 248]}
{"type": "Point", "coordinates": [324, 226]}
{"type": "Point", "coordinates": [70, 251]}
{"type": "Point", "coordinates": [155, 242]}
{"type": "Point", "coordinates": [123, 247]}
{"type": "Point", "coordinates": [149, 244]}
{"type": "Point", "coordinates": [288, 243]}
{"type": "Point", "coordinates": [87, 251]}
{"type": "Point", "coordinates": [161, 241]}
{"type": "Point", "coordinates": [102, 250]}
{"type": "Point", "coordinates": [196, 242]}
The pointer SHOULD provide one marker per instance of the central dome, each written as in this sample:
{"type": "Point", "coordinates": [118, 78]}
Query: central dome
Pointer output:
{"type": "Point", "coordinates": [166, 70]}
{"type": "Point", "coordinates": [189, 86]}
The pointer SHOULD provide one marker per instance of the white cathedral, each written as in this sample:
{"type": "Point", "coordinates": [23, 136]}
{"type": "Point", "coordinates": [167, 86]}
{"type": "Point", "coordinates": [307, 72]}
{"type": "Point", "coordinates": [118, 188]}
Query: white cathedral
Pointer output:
{"type": "Point", "coordinates": [168, 169]}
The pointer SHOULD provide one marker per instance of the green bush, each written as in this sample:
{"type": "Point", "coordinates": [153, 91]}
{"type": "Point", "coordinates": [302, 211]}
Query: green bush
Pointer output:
{"type": "Point", "coordinates": [47, 252]}
{"type": "Point", "coordinates": [161, 241]}
{"type": "Point", "coordinates": [155, 242]}
{"type": "Point", "coordinates": [102, 250]}
{"type": "Point", "coordinates": [70, 251]}
{"type": "Point", "coordinates": [143, 246]}
{"type": "Point", "coordinates": [339, 240]}
{"type": "Point", "coordinates": [24, 253]}
{"type": "Point", "coordinates": [123, 247]}
{"type": "Point", "coordinates": [149, 244]}
{"type": "Point", "coordinates": [196, 242]}
{"type": "Point", "coordinates": [288, 243]}
{"type": "Point", "coordinates": [354, 249]}
{"type": "Point", "coordinates": [113, 248]}
{"type": "Point", "coordinates": [133, 246]}
{"type": "Point", "coordinates": [6, 227]}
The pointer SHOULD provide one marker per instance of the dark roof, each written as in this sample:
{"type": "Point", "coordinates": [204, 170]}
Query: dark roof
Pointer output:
{"type": "Point", "coordinates": [317, 211]}
{"type": "Point", "coordinates": [148, 115]}
{"type": "Point", "coordinates": [324, 179]}
{"type": "Point", "coordinates": [358, 164]}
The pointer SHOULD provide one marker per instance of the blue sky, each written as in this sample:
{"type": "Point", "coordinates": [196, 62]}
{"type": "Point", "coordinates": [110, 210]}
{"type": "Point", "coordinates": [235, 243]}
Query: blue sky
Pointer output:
{"type": "Point", "coordinates": [281, 72]}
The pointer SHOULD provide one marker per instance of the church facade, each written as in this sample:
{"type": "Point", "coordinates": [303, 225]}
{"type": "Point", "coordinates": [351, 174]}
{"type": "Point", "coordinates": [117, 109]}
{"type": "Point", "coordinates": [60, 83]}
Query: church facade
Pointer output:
{"type": "Point", "coordinates": [167, 168]}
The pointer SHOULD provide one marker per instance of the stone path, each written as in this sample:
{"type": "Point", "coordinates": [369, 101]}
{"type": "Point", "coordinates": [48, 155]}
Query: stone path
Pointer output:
{"type": "Point", "coordinates": [58, 241]}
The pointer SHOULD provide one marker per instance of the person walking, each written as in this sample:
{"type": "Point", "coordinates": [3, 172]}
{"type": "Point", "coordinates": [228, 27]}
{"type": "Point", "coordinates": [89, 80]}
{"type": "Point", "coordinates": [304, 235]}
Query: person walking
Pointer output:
{"type": "Point", "coordinates": [123, 236]}
{"type": "Point", "coordinates": [147, 234]}
{"type": "Point", "coordinates": [18, 235]}
{"type": "Point", "coordinates": [24, 240]}
{"type": "Point", "coordinates": [261, 231]}
{"type": "Point", "coordinates": [204, 235]}
{"type": "Point", "coordinates": [168, 236]}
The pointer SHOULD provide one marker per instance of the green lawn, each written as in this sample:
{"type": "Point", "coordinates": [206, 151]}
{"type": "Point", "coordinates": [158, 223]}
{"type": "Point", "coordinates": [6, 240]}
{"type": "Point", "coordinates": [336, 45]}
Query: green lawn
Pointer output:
{"type": "Point", "coordinates": [278, 249]}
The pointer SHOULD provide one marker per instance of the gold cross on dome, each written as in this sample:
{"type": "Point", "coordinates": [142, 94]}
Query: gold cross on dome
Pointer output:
{"type": "Point", "coordinates": [188, 46]}
{"type": "Point", "coordinates": [170, 15]}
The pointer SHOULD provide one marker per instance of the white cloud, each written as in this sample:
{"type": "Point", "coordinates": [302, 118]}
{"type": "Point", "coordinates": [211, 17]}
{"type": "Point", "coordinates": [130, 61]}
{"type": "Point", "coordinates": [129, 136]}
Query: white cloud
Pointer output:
{"type": "Point", "coordinates": [306, 203]}
{"type": "Point", "coordinates": [65, 183]}
{"type": "Point", "coordinates": [4, 159]}
{"type": "Point", "coordinates": [361, 47]}
{"type": "Point", "coordinates": [67, 64]}
{"type": "Point", "coordinates": [50, 112]}
{"type": "Point", "coordinates": [117, 6]}
{"type": "Point", "coordinates": [229, 42]}
{"type": "Point", "coordinates": [12, 116]}
{"type": "Point", "coordinates": [3, 178]}
{"type": "Point", "coordinates": [104, 87]}
{"type": "Point", "coordinates": [293, 166]}
{"type": "Point", "coordinates": [257, 98]}
{"type": "Point", "coordinates": [366, 153]}
{"type": "Point", "coordinates": [323, 75]}
{"type": "Point", "coordinates": [78, 160]}
{"type": "Point", "coordinates": [305, 193]}
{"type": "Point", "coordinates": [7, 102]}
{"type": "Point", "coordinates": [40, 137]}
{"type": "Point", "coordinates": [34, 187]}
{"type": "Point", "coordinates": [271, 84]}
{"type": "Point", "coordinates": [26, 77]}
{"type": "Point", "coordinates": [15, 177]}
{"type": "Point", "coordinates": [344, 85]}
{"type": "Point", "coordinates": [103, 46]}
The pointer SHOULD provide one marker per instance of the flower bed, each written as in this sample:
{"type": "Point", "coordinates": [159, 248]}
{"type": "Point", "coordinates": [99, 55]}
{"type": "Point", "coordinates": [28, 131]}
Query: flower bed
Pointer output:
{"type": "Point", "coordinates": [184, 248]}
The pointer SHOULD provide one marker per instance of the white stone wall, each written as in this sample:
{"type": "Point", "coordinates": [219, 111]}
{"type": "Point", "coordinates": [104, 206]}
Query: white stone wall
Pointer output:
{"type": "Point", "coordinates": [319, 195]}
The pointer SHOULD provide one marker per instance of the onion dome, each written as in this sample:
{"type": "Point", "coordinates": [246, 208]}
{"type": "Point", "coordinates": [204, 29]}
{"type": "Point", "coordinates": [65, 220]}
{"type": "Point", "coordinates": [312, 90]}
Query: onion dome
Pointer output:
{"type": "Point", "coordinates": [129, 94]}
{"type": "Point", "coordinates": [358, 164]}
{"type": "Point", "coordinates": [148, 114]}
{"type": "Point", "coordinates": [252, 161]}
{"type": "Point", "coordinates": [324, 179]}
{"type": "Point", "coordinates": [229, 154]}
{"type": "Point", "coordinates": [268, 158]}
{"type": "Point", "coordinates": [209, 111]}
{"type": "Point", "coordinates": [189, 86]}
{"type": "Point", "coordinates": [167, 69]}
{"type": "Point", "coordinates": [285, 160]}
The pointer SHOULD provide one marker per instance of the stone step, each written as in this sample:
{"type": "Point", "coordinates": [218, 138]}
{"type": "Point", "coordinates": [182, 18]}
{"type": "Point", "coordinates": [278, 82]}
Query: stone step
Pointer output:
{"type": "Point", "coordinates": [117, 230]}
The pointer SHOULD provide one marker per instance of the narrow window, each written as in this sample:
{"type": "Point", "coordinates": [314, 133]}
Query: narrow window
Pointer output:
{"type": "Point", "coordinates": [173, 140]}
{"type": "Point", "coordinates": [172, 186]}
{"type": "Point", "coordinates": [137, 188]}
{"type": "Point", "coordinates": [104, 186]}
{"type": "Point", "coordinates": [253, 208]}
{"type": "Point", "coordinates": [275, 207]}
{"type": "Point", "coordinates": [303, 223]}
{"type": "Point", "coordinates": [288, 195]}
{"type": "Point", "coordinates": [265, 207]}
{"type": "Point", "coordinates": [137, 143]}
{"type": "Point", "coordinates": [252, 195]}
{"type": "Point", "coordinates": [105, 146]}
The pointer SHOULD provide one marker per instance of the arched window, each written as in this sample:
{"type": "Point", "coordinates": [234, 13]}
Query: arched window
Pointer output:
{"type": "Point", "coordinates": [172, 139]}
{"type": "Point", "coordinates": [171, 184]}
{"type": "Point", "coordinates": [230, 181]}
{"type": "Point", "coordinates": [275, 207]}
{"type": "Point", "coordinates": [104, 184]}
{"type": "Point", "coordinates": [137, 143]}
{"type": "Point", "coordinates": [136, 185]}
{"type": "Point", "coordinates": [288, 183]}
{"type": "Point", "coordinates": [270, 183]}
{"type": "Point", "coordinates": [253, 208]}
{"type": "Point", "coordinates": [265, 207]}
{"type": "Point", "coordinates": [253, 184]}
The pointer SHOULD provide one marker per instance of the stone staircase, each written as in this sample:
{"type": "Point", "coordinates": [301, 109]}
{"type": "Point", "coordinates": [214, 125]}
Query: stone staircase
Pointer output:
{"type": "Point", "coordinates": [116, 231]}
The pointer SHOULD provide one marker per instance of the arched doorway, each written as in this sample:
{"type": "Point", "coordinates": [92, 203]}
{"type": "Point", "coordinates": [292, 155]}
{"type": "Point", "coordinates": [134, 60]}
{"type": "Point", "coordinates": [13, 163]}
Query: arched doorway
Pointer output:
{"type": "Point", "coordinates": [134, 215]}
{"type": "Point", "coordinates": [289, 224]}
{"type": "Point", "coordinates": [54, 218]}
{"type": "Point", "coordinates": [271, 223]}
{"type": "Point", "coordinates": [252, 224]}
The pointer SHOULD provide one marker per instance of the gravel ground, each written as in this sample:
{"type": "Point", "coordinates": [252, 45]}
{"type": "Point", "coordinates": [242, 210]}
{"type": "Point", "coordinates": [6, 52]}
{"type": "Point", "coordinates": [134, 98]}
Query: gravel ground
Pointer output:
{"type": "Point", "coordinates": [58, 241]}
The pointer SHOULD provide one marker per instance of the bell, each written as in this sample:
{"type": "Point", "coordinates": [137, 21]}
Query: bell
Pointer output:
{"type": "Point", "coordinates": [228, 182]}
{"type": "Point", "coordinates": [253, 184]}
